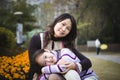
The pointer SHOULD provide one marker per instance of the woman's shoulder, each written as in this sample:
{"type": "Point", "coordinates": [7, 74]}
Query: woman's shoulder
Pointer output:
{"type": "Point", "coordinates": [36, 36]}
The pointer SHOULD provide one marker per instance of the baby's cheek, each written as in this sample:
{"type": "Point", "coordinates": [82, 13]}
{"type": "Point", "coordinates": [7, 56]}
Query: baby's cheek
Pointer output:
{"type": "Point", "coordinates": [40, 64]}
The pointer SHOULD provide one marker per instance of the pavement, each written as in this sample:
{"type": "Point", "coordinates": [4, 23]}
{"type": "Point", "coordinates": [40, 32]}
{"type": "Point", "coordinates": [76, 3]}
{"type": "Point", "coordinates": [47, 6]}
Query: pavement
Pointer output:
{"type": "Point", "coordinates": [110, 57]}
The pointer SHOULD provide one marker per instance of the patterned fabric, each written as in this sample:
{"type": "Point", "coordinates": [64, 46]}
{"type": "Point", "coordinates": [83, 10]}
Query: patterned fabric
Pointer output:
{"type": "Point", "coordinates": [69, 56]}
{"type": "Point", "coordinates": [35, 44]}
{"type": "Point", "coordinates": [53, 69]}
{"type": "Point", "coordinates": [72, 75]}
{"type": "Point", "coordinates": [57, 45]}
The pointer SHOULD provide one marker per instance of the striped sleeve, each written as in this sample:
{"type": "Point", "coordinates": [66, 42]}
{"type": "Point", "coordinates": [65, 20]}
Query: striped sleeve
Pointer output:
{"type": "Point", "coordinates": [68, 55]}
{"type": "Point", "coordinates": [53, 69]}
{"type": "Point", "coordinates": [44, 77]}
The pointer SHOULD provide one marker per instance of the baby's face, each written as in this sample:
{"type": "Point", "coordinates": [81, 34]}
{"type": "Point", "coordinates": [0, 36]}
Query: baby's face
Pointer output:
{"type": "Point", "coordinates": [47, 58]}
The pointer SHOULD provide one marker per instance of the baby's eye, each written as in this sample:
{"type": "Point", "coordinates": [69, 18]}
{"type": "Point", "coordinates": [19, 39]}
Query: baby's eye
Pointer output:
{"type": "Point", "coordinates": [45, 57]}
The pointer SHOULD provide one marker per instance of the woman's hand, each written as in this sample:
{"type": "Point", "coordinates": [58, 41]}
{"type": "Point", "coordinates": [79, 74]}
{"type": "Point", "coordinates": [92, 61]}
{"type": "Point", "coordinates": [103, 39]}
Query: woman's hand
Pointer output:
{"type": "Point", "coordinates": [70, 65]}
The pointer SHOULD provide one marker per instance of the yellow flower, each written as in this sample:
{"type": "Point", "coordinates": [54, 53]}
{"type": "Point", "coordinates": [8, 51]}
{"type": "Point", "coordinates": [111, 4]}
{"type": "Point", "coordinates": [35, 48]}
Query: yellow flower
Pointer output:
{"type": "Point", "coordinates": [7, 76]}
{"type": "Point", "coordinates": [13, 70]}
{"type": "Point", "coordinates": [15, 66]}
{"type": "Point", "coordinates": [26, 68]}
{"type": "Point", "coordinates": [15, 75]}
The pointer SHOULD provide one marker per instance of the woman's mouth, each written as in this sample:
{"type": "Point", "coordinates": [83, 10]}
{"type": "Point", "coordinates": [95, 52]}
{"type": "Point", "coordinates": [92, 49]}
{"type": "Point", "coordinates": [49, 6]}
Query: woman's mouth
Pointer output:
{"type": "Point", "coordinates": [61, 32]}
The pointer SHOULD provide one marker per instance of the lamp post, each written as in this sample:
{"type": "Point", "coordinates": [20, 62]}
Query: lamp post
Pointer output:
{"type": "Point", "coordinates": [19, 28]}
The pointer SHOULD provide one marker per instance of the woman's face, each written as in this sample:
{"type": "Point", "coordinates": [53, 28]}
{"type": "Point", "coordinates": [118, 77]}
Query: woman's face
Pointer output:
{"type": "Point", "coordinates": [62, 28]}
{"type": "Point", "coordinates": [46, 59]}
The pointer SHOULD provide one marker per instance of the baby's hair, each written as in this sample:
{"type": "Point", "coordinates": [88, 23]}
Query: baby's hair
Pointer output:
{"type": "Point", "coordinates": [37, 53]}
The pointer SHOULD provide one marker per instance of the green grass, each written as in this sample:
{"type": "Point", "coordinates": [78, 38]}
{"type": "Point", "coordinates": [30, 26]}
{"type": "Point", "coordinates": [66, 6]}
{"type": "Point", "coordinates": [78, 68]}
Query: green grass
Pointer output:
{"type": "Point", "coordinates": [106, 70]}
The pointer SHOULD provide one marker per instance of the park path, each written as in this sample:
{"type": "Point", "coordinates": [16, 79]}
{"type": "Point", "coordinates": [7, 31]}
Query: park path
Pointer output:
{"type": "Point", "coordinates": [113, 58]}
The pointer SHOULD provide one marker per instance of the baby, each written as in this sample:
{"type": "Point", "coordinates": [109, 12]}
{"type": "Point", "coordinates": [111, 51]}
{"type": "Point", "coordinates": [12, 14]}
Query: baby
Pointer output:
{"type": "Point", "coordinates": [50, 60]}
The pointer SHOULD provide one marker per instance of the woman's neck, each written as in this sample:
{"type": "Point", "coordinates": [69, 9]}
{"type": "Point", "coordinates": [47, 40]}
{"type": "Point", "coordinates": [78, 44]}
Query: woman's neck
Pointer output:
{"type": "Point", "coordinates": [55, 38]}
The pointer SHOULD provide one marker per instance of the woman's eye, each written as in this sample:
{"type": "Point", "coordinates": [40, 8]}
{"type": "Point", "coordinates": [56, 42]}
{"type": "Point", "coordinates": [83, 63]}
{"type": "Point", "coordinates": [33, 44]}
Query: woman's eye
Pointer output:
{"type": "Point", "coordinates": [68, 28]}
{"type": "Point", "coordinates": [63, 24]}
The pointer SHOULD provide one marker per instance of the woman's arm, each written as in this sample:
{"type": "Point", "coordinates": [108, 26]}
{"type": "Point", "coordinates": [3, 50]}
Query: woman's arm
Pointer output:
{"type": "Point", "coordinates": [34, 45]}
{"type": "Point", "coordinates": [85, 62]}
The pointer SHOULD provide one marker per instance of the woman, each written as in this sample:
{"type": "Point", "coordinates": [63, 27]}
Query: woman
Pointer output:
{"type": "Point", "coordinates": [62, 34]}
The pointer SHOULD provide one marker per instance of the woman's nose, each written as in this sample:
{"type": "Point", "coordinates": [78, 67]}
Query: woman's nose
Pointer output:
{"type": "Point", "coordinates": [64, 28]}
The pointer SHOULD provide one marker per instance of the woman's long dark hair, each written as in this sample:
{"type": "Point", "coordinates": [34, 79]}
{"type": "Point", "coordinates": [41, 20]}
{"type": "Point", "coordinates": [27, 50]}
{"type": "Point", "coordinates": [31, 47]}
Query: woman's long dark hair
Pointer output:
{"type": "Point", "coordinates": [70, 37]}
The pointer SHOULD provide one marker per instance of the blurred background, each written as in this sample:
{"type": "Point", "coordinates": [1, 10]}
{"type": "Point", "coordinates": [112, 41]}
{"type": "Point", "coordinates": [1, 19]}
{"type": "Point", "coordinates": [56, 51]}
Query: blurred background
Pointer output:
{"type": "Point", "coordinates": [95, 19]}
{"type": "Point", "coordinates": [21, 19]}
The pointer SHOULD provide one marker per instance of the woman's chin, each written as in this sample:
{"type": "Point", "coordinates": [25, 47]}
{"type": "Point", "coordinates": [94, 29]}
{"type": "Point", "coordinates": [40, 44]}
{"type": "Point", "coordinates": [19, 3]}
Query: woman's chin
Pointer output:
{"type": "Point", "coordinates": [60, 36]}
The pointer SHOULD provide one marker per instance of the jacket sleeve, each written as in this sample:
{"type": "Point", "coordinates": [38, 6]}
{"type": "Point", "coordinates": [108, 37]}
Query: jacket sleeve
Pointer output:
{"type": "Point", "coordinates": [44, 77]}
{"type": "Point", "coordinates": [85, 62]}
{"type": "Point", "coordinates": [53, 69]}
{"type": "Point", "coordinates": [33, 46]}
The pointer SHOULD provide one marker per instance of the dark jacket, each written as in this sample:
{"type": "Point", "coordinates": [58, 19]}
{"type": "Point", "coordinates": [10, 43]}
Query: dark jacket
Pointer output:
{"type": "Point", "coordinates": [35, 44]}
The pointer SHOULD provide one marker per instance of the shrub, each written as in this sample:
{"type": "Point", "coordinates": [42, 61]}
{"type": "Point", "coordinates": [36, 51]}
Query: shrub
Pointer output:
{"type": "Point", "coordinates": [7, 39]}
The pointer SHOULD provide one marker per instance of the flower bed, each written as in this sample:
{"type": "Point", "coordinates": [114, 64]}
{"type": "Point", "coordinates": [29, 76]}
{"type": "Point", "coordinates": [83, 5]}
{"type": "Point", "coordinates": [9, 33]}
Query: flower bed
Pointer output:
{"type": "Point", "coordinates": [15, 67]}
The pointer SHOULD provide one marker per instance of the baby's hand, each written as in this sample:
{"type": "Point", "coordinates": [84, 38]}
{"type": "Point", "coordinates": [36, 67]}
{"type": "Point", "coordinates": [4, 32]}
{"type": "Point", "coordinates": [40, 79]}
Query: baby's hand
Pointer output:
{"type": "Point", "coordinates": [42, 70]}
{"type": "Point", "coordinates": [61, 61]}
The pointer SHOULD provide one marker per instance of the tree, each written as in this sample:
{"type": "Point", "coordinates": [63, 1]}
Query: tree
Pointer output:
{"type": "Point", "coordinates": [104, 17]}
{"type": "Point", "coordinates": [110, 9]}
{"type": "Point", "coordinates": [9, 20]}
